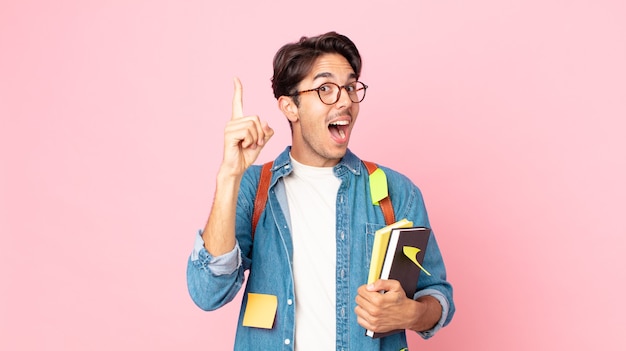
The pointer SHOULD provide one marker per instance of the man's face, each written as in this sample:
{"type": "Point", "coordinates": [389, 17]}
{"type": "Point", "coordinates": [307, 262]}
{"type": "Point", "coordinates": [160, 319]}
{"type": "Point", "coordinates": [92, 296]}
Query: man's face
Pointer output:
{"type": "Point", "coordinates": [321, 132]}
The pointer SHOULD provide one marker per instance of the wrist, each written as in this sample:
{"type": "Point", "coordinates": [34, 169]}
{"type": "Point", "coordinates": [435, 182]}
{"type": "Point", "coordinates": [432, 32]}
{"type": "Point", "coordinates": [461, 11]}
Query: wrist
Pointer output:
{"type": "Point", "coordinates": [226, 174]}
{"type": "Point", "coordinates": [426, 313]}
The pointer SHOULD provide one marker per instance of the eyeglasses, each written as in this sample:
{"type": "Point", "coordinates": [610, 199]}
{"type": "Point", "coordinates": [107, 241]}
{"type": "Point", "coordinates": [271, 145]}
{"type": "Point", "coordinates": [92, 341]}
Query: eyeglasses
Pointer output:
{"type": "Point", "coordinates": [330, 93]}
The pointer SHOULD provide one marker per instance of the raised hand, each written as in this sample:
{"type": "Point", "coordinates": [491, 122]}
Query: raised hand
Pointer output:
{"type": "Point", "coordinates": [244, 136]}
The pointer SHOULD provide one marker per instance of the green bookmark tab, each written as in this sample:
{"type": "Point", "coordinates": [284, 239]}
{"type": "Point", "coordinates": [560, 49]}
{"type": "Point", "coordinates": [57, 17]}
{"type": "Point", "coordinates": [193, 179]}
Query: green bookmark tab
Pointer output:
{"type": "Point", "coordinates": [378, 186]}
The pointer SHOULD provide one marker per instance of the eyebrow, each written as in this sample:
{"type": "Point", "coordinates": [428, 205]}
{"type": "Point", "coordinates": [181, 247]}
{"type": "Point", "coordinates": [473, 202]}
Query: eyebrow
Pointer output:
{"type": "Point", "coordinates": [330, 75]}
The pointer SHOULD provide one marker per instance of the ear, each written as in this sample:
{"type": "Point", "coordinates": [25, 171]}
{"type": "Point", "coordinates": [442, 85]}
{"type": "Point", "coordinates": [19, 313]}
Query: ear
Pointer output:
{"type": "Point", "coordinates": [289, 108]}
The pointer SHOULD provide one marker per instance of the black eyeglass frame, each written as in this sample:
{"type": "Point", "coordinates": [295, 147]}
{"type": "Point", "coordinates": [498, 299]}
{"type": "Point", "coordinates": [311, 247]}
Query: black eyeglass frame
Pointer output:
{"type": "Point", "coordinates": [297, 93]}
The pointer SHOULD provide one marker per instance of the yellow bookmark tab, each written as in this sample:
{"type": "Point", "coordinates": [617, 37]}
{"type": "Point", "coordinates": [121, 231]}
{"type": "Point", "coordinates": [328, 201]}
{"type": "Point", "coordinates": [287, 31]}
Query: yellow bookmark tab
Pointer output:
{"type": "Point", "coordinates": [411, 252]}
{"type": "Point", "coordinates": [378, 186]}
{"type": "Point", "coordinates": [260, 311]}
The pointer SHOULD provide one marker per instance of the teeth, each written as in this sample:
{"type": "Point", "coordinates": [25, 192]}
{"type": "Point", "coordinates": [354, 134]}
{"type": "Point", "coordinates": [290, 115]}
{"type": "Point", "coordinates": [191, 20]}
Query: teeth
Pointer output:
{"type": "Point", "coordinates": [340, 123]}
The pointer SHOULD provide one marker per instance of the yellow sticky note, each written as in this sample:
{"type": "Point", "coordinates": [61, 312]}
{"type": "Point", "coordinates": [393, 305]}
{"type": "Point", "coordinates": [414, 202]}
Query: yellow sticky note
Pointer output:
{"type": "Point", "coordinates": [260, 311]}
{"type": "Point", "coordinates": [378, 186]}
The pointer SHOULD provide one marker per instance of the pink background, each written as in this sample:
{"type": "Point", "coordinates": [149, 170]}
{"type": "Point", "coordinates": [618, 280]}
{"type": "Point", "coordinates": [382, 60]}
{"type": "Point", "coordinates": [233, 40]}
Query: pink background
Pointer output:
{"type": "Point", "coordinates": [112, 113]}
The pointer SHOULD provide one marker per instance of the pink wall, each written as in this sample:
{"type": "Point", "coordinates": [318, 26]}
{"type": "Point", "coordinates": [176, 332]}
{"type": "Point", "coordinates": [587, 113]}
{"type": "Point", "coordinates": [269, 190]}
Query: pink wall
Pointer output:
{"type": "Point", "coordinates": [511, 115]}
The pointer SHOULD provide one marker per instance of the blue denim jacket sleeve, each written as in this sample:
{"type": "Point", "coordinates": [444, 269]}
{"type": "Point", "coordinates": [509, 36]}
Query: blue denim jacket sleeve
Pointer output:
{"type": "Point", "coordinates": [219, 265]}
{"type": "Point", "coordinates": [214, 281]}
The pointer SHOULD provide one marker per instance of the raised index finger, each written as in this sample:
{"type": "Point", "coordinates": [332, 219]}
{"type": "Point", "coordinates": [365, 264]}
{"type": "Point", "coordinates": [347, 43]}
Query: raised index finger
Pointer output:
{"type": "Point", "coordinates": [237, 100]}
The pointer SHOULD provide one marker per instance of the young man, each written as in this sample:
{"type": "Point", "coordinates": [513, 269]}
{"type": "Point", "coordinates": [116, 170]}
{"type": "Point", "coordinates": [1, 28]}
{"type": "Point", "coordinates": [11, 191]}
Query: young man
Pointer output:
{"type": "Point", "coordinates": [311, 249]}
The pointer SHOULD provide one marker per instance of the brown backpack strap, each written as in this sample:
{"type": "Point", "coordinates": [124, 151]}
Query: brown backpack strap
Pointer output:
{"type": "Point", "coordinates": [261, 194]}
{"type": "Point", "coordinates": [385, 204]}
{"type": "Point", "coordinates": [264, 184]}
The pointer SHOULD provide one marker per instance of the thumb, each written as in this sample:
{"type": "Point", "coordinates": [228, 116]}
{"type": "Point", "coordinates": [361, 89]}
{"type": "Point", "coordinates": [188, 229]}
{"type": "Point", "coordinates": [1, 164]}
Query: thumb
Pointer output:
{"type": "Point", "coordinates": [378, 285]}
{"type": "Point", "coordinates": [381, 284]}
{"type": "Point", "coordinates": [268, 131]}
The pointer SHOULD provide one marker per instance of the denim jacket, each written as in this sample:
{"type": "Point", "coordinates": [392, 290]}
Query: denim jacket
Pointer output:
{"type": "Point", "coordinates": [215, 281]}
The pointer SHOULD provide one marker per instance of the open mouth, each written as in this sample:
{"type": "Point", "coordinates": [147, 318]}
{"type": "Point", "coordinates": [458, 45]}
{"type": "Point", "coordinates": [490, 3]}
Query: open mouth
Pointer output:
{"type": "Point", "coordinates": [338, 130]}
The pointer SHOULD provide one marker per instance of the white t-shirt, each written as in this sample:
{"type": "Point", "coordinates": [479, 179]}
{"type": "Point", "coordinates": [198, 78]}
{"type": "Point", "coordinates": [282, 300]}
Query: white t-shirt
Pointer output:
{"type": "Point", "coordinates": [312, 196]}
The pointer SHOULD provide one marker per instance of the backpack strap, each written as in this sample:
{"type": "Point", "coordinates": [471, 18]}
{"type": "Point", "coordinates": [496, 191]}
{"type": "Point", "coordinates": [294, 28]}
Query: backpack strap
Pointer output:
{"type": "Point", "coordinates": [264, 184]}
{"type": "Point", "coordinates": [385, 204]}
{"type": "Point", "coordinates": [261, 194]}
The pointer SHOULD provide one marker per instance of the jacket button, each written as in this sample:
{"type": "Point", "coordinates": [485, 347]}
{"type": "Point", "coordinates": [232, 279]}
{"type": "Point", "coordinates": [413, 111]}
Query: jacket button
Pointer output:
{"type": "Point", "coordinates": [289, 302]}
{"type": "Point", "coordinates": [287, 341]}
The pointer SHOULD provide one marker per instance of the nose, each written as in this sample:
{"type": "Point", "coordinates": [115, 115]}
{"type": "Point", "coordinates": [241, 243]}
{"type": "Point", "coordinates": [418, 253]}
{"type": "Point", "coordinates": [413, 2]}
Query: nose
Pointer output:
{"type": "Point", "coordinates": [344, 98]}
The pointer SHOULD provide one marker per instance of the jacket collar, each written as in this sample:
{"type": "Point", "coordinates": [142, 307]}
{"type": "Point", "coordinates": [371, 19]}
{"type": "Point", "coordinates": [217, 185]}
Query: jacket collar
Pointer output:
{"type": "Point", "coordinates": [349, 162]}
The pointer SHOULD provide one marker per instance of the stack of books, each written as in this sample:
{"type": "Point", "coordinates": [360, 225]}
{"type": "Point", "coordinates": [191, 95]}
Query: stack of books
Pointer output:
{"type": "Point", "coordinates": [398, 253]}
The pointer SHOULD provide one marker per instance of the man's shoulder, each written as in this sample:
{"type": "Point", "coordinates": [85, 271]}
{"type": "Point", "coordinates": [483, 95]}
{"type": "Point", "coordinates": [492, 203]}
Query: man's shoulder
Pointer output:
{"type": "Point", "coordinates": [392, 172]}
{"type": "Point", "coordinates": [399, 183]}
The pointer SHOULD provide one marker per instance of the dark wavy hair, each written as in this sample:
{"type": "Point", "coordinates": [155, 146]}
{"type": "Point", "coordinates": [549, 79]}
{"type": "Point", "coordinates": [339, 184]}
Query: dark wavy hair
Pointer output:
{"type": "Point", "coordinates": [295, 60]}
